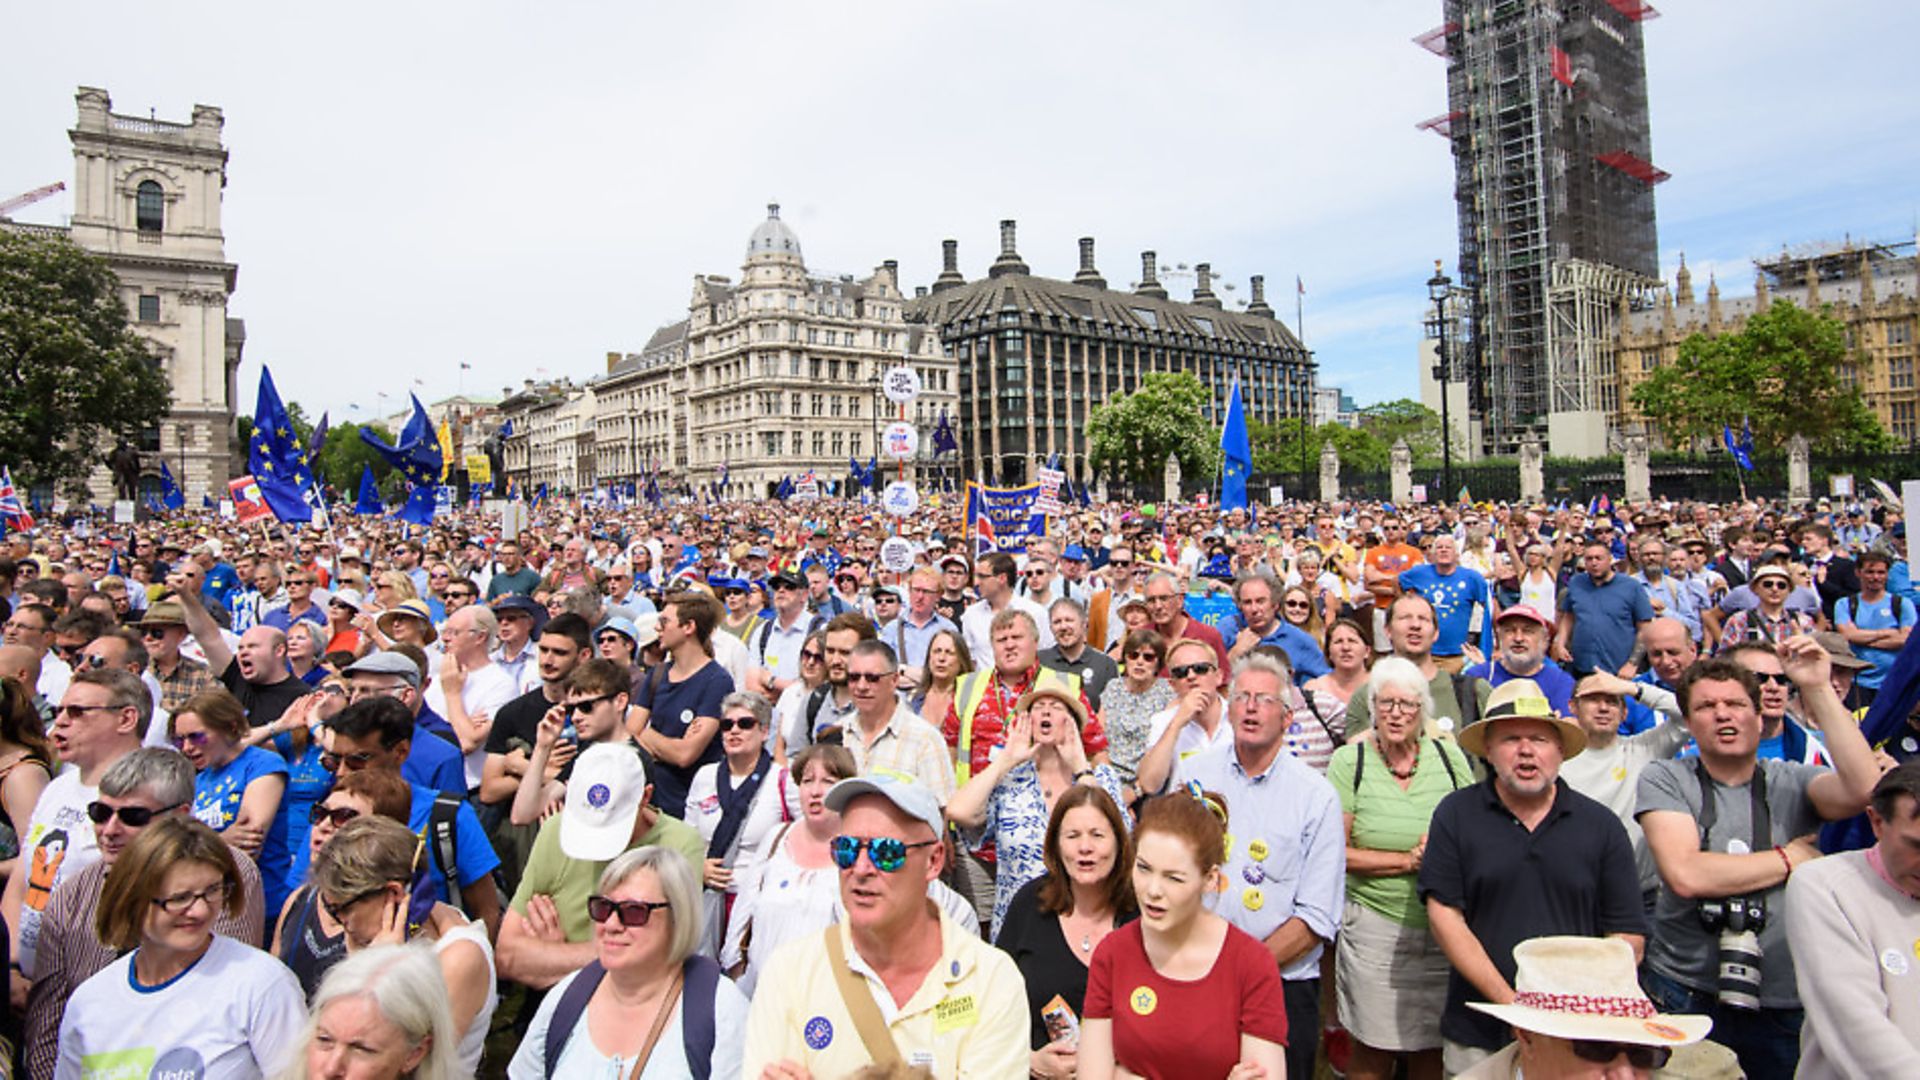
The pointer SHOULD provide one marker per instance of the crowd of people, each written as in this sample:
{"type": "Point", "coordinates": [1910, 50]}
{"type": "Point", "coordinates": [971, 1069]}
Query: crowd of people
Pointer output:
{"type": "Point", "coordinates": [718, 791]}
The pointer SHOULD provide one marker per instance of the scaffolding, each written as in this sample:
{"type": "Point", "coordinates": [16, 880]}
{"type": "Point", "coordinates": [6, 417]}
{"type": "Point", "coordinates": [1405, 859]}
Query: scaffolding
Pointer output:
{"type": "Point", "coordinates": [1554, 191]}
{"type": "Point", "coordinates": [1583, 313]}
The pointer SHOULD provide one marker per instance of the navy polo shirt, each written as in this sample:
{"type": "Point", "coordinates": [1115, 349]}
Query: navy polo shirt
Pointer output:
{"type": "Point", "coordinates": [1573, 874]}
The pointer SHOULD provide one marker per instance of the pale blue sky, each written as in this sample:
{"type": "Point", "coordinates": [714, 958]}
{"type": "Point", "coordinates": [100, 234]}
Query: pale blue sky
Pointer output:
{"type": "Point", "coordinates": [525, 187]}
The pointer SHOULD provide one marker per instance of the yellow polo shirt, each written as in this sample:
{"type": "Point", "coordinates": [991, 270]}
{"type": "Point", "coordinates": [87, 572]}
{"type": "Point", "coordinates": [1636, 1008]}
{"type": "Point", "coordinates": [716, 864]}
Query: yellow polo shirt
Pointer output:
{"type": "Point", "coordinates": [967, 1019]}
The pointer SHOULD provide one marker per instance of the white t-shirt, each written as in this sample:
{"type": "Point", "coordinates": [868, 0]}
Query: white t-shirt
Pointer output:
{"type": "Point", "coordinates": [473, 1041]}
{"type": "Point", "coordinates": [732, 655]}
{"type": "Point", "coordinates": [1191, 740]}
{"type": "Point", "coordinates": [236, 1014]}
{"type": "Point", "coordinates": [580, 1057]}
{"type": "Point", "coordinates": [57, 844]}
{"type": "Point", "coordinates": [484, 692]}
{"type": "Point", "coordinates": [55, 674]}
{"type": "Point", "coordinates": [976, 625]}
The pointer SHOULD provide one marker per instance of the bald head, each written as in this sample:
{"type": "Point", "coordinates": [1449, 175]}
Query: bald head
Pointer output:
{"type": "Point", "coordinates": [1670, 648]}
{"type": "Point", "coordinates": [262, 656]}
{"type": "Point", "coordinates": [20, 663]}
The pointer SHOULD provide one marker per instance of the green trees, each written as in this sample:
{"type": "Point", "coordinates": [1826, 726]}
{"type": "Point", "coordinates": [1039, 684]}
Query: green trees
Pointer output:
{"type": "Point", "coordinates": [1781, 373]}
{"type": "Point", "coordinates": [74, 377]}
{"type": "Point", "coordinates": [341, 460]}
{"type": "Point", "coordinates": [1132, 435]}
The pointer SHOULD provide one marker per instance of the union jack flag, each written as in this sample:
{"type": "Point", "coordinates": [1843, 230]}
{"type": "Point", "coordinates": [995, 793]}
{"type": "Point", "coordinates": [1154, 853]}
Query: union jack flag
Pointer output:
{"type": "Point", "coordinates": [13, 511]}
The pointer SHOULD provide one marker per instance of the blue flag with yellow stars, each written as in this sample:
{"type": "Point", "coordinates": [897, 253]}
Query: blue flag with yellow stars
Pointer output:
{"type": "Point", "coordinates": [171, 497]}
{"type": "Point", "coordinates": [418, 456]}
{"type": "Point", "coordinates": [1234, 443]}
{"type": "Point", "coordinates": [277, 458]}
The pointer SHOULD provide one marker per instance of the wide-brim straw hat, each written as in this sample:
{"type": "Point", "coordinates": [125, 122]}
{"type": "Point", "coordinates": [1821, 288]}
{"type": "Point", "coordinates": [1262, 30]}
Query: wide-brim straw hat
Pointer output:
{"type": "Point", "coordinates": [1587, 988]}
{"type": "Point", "coordinates": [1520, 699]}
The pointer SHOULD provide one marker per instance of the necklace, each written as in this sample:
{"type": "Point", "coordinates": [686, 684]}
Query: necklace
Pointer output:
{"type": "Point", "coordinates": [1381, 748]}
{"type": "Point", "coordinates": [1086, 942]}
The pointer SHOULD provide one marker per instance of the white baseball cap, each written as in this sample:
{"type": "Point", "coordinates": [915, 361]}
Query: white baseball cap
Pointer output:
{"type": "Point", "coordinates": [604, 796]}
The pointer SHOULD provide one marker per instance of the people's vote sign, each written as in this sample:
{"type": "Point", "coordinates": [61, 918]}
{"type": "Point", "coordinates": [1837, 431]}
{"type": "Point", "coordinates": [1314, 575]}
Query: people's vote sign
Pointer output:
{"type": "Point", "coordinates": [1003, 519]}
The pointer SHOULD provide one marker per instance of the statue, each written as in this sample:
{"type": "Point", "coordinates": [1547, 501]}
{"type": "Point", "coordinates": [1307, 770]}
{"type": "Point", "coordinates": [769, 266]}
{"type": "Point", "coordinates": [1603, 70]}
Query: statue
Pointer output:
{"type": "Point", "coordinates": [124, 463]}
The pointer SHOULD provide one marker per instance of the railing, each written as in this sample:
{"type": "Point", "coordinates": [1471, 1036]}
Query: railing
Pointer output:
{"type": "Point", "coordinates": [138, 126]}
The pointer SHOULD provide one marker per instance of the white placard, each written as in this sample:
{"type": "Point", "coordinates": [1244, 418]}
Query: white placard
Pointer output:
{"type": "Point", "coordinates": [900, 499]}
{"type": "Point", "coordinates": [1276, 495]}
{"type": "Point", "coordinates": [1910, 502]}
{"type": "Point", "coordinates": [226, 509]}
{"type": "Point", "coordinates": [901, 385]}
{"type": "Point", "coordinates": [513, 520]}
{"type": "Point", "coordinates": [1840, 485]}
{"type": "Point", "coordinates": [900, 441]}
{"type": "Point", "coordinates": [896, 554]}
{"type": "Point", "coordinates": [1419, 493]}
{"type": "Point", "coordinates": [123, 511]}
{"type": "Point", "coordinates": [807, 487]}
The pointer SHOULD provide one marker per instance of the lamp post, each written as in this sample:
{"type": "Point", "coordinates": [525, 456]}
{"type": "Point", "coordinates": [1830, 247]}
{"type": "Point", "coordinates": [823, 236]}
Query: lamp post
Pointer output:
{"type": "Point", "coordinates": [1438, 287]}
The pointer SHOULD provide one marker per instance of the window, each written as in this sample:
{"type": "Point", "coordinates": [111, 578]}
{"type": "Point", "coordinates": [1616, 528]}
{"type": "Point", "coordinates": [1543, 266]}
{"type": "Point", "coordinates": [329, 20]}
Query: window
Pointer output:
{"type": "Point", "coordinates": [1148, 316]}
{"type": "Point", "coordinates": [150, 212]}
{"type": "Point", "coordinates": [1900, 373]}
{"type": "Point", "coordinates": [1900, 332]}
{"type": "Point", "coordinates": [149, 307]}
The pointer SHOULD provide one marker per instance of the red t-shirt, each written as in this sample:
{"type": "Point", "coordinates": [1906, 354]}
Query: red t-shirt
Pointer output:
{"type": "Point", "coordinates": [990, 721]}
{"type": "Point", "coordinates": [1170, 1028]}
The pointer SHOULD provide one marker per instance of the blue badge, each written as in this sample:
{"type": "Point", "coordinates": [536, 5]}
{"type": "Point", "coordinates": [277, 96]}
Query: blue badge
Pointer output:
{"type": "Point", "coordinates": [599, 795]}
{"type": "Point", "coordinates": [818, 1033]}
{"type": "Point", "coordinates": [1254, 874]}
{"type": "Point", "coordinates": [955, 969]}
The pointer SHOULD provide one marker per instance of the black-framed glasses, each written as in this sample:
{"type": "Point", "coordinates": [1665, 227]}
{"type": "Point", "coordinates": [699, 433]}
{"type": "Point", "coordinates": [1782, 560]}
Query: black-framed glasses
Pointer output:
{"type": "Point", "coordinates": [1187, 671]}
{"type": "Point", "coordinates": [338, 912]}
{"type": "Point", "coordinates": [1777, 678]}
{"type": "Point", "coordinates": [1640, 1057]}
{"type": "Point", "coordinates": [335, 815]}
{"type": "Point", "coordinates": [589, 704]}
{"type": "Point", "coordinates": [744, 723]}
{"type": "Point", "coordinates": [887, 853]}
{"type": "Point", "coordinates": [354, 762]}
{"type": "Point", "coordinates": [179, 903]}
{"type": "Point", "coordinates": [632, 913]}
{"type": "Point", "coordinates": [868, 676]}
{"type": "Point", "coordinates": [133, 817]}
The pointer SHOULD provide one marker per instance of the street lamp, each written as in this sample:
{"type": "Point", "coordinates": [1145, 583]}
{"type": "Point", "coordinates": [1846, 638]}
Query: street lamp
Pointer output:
{"type": "Point", "coordinates": [1438, 287]}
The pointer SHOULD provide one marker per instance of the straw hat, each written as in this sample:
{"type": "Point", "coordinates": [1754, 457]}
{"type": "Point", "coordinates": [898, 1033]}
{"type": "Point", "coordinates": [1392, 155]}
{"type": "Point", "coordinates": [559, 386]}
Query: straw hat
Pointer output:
{"type": "Point", "coordinates": [409, 609]}
{"type": "Point", "coordinates": [1520, 699]}
{"type": "Point", "coordinates": [1586, 988]}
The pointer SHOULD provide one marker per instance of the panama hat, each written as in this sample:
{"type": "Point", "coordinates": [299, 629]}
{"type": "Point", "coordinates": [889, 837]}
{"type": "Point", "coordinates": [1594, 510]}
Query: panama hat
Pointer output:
{"type": "Point", "coordinates": [1520, 699]}
{"type": "Point", "coordinates": [1586, 988]}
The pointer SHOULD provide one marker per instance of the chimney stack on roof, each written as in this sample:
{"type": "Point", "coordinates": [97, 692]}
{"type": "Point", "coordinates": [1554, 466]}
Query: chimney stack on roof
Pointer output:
{"type": "Point", "coordinates": [1203, 286]}
{"type": "Point", "coordinates": [1009, 260]}
{"type": "Point", "coordinates": [893, 272]}
{"type": "Point", "coordinates": [949, 266]}
{"type": "Point", "coordinates": [1087, 275]}
{"type": "Point", "coordinates": [1150, 277]}
{"type": "Point", "coordinates": [1258, 305]}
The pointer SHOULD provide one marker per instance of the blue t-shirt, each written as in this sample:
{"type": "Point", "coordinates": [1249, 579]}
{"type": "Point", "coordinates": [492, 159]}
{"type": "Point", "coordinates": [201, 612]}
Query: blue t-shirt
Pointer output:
{"type": "Point", "coordinates": [1551, 678]}
{"type": "Point", "coordinates": [433, 762]}
{"type": "Point", "coordinates": [672, 708]}
{"type": "Point", "coordinates": [1302, 651]}
{"type": "Point", "coordinates": [472, 851]}
{"type": "Point", "coordinates": [216, 800]}
{"type": "Point", "coordinates": [1606, 622]}
{"type": "Point", "coordinates": [1453, 596]}
{"type": "Point", "coordinates": [308, 782]}
{"type": "Point", "coordinates": [220, 584]}
{"type": "Point", "coordinates": [1878, 615]}
{"type": "Point", "coordinates": [280, 620]}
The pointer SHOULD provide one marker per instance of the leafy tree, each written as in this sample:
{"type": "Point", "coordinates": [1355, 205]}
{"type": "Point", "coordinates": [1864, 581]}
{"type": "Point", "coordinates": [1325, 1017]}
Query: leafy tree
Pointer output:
{"type": "Point", "coordinates": [1132, 434]}
{"type": "Point", "coordinates": [1780, 373]}
{"type": "Point", "coordinates": [1277, 449]}
{"type": "Point", "coordinates": [1391, 421]}
{"type": "Point", "coordinates": [340, 461]}
{"type": "Point", "coordinates": [74, 377]}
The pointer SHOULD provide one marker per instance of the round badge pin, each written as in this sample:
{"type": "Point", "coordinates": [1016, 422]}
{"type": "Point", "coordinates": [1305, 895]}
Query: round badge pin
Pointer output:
{"type": "Point", "coordinates": [1257, 851]}
{"type": "Point", "coordinates": [1910, 744]}
{"type": "Point", "coordinates": [818, 1033]}
{"type": "Point", "coordinates": [1143, 1000]}
{"type": "Point", "coordinates": [1253, 899]}
{"type": "Point", "coordinates": [686, 716]}
{"type": "Point", "coordinates": [1894, 961]}
{"type": "Point", "coordinates": [1253, 874]}
{"type": "Point", "coordinates": [1444, 723]}
{"type": "Point", "coordinates": [599, 795]}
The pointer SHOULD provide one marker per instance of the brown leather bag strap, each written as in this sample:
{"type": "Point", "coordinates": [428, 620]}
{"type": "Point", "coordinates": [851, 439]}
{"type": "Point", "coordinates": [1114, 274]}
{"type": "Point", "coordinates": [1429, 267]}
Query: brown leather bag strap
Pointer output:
{"type": "Point", "coordinates": [859, 1001]}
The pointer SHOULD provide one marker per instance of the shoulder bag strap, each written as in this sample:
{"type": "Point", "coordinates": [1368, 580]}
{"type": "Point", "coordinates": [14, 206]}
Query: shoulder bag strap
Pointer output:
{"type": "Point", "coordinates": [659, 1025]}
{"type": "Point", "coordinates": [859, 1002]}
{"type": "Point", "coordinates": [568, 1013]}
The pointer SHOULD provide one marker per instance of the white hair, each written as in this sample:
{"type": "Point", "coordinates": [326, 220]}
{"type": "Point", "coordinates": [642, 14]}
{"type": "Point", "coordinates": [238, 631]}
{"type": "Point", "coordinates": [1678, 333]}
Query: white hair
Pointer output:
{"type": "Point", "coordinates": [1400, 672]}
{"type": "Point", "coordinates": [406, 986]}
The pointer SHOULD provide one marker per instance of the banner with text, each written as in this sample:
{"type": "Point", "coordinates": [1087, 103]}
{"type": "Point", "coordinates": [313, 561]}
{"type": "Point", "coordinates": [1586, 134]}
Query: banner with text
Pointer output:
{"type": "Point", "coordinates": [1003, 519]}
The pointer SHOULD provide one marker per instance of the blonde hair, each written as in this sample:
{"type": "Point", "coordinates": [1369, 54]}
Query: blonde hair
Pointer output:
{"type": "Point", "coordinates": [127, 897]}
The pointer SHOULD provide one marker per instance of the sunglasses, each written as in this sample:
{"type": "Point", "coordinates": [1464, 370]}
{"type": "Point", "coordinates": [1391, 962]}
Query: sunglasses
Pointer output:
{"type": "Point", "coordinates": [887, 853]}
{"type": "Point", "coordinates": [1775, 677]}
{"type": "Point", "coordinates": [868, 677]}
{"type": "Point", "coordinates": [1772, 583]}
{"type": "Point", "coordinates": [1186, 671]}
{"type": "Point", "coordinates": [133, 817]}
{"type": "Point", "coordinates": [191, 738]}
{"type": "Point", "coordinates": [589, 704]}
{"type": "Point", "coordinates": [354, 762]}
{"type": "Point", "coordinates": [633, 913]}
{"type": "Point", "coordinates": [744, 723]}
{"type": "Point", "coordinates": [812, 656]}
{"type": "Point", "coordinates": [1298, 605]}
{"type": "Point", "coordinates": [336, 815]}
{"type": "Point", "coordinates": [1144, 654]}
{"type": "Point", "coordinates": [1640, 1057]}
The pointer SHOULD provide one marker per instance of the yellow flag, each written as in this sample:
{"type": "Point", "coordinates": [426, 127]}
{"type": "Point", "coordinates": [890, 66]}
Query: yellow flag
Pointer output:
{"type": "Point", "coordinates": [445, 436]}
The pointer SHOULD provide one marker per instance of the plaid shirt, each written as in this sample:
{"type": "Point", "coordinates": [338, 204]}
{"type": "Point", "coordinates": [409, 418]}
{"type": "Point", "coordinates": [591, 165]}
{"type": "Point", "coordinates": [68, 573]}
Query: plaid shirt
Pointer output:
{"type": "Point", "coordinates": [188, 679]}
{"type": "Point", "coordinates": [1742, 625]}
{"type": "Point", "coordinates": [907, 745]}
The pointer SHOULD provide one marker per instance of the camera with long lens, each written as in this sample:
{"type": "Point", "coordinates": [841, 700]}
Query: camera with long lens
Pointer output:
{"type": "Point", "coordinates": [1738, 921]}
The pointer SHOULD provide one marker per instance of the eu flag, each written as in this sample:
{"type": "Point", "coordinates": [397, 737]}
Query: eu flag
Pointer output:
{"type": "Point", "coordinates": [1238, 449]}
{"type": "Point", "coordinates": [277, 458]}
{"type": "Point", "coordinates": [418, 454]}
{"type": "Point", "coordinates": [171, 497]}
{"type": "Point", "coordinates": [369, 501]}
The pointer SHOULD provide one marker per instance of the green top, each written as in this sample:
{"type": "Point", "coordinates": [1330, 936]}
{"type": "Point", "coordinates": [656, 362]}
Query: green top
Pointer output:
{"type": "Point", "coordinates": [571, 881]}
{"type": "Point", "coordinates": [1389, 818]}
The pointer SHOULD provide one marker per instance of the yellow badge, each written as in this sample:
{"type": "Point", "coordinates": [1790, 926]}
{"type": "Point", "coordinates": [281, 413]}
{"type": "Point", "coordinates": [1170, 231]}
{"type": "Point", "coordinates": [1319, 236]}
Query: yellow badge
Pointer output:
{"type": "Point", "coordinates": [1916, 947]}
{"type": "Point", "coordinates": [1257, 851]}
{"type": "Point", "coordinates": [1619, 774]}
{"type": "Point", "coordinates": [1253, 899]}
{"type": "Point", "coordinates": [954, 1013]}
{"type": "Point", "coordinates": [1143, 1000]}
{"type": "Point", "coordinates": [1226, 852]}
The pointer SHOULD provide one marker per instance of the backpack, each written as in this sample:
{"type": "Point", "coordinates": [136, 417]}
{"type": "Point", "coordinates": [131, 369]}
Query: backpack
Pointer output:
{"type": "Point", "coordinates": [1853, 606]}
{"type": "Point", "coordinates": [765, 631]}
{"type": "Point", "coordinates": [443, 827]}
{"type": "Point", "coordinates": [696, 1013]}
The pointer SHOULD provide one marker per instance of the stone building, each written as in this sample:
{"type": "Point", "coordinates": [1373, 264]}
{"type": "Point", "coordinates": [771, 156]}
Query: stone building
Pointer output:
{"type": "Point", "coordinates": [769, 377]}
{"type": "Point", "coordinates": [147, 197]}
{"type": "Point", "coordinates": [1034, 355]}
{"type": "Point", "coordinates": [1873, 288]}
{"type": "Point", "coordinates": [550, 438]}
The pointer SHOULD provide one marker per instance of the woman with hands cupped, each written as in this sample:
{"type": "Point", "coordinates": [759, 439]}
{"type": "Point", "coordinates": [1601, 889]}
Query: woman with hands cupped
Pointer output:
{"type": "Point", "coordinates": [1009, 801]}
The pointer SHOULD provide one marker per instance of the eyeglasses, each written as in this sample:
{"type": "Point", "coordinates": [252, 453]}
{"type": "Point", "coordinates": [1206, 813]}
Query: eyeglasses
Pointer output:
{"type": "Point", "coordinates": [77, 711]}
{"type": "Point", "coordinates": [1640, 1057]}
{"type": "Point", "coordinates": [191, 738]}
{"type": "Point", "coordinates": [338, 912]}
{"type": "Point", "coordinates": [633, 913]}
{"type": "Point", "coordinates": [69, 652]}
{"type": "Point", "coordinates": [1144, 654]}
{"type": "Point", "coordinates": [811, 656]}
{"type": "Point", "coordinates": [589, 704]}
{"type": "Point", "coordinates": [179, 903]}
{"type": "Point", "coordinates": [133, 817]}
{"type": "Point", "coordinates": [887, 853]}
{"type": "Point", "coordinates": [1396, 705]}
{"type": "Point", "coordinates": [868, 676]}
{"type": "Point", "coordinates": [1297, 605]}
{"type": "Point", "coordinates": [334, 815]}
{"type": "Point", "coordinates": [354, 761]}
{"type": "Point", "coordinates": [1264, 701]}
{"type": "Point", "coordinates": [1777, 678]}
{"type": "Point", "coordinates": [744, 723]}
{"type": "Point", "coordinates": [1188, 671]}
{"type": "Point", "coordinates": [1120, 564]}
{"type": "Point", "coordinates": [1772, 583]}
{"type": "Point", "coordinates": [1038, 571]}
{"type": "Point", "coordinates": [1160, 599]}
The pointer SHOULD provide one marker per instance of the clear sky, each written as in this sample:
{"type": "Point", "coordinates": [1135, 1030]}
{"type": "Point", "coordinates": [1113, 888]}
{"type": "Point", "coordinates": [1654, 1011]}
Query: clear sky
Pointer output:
{"type": "Point", "coordinates": [522, 188]}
